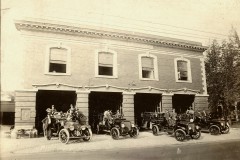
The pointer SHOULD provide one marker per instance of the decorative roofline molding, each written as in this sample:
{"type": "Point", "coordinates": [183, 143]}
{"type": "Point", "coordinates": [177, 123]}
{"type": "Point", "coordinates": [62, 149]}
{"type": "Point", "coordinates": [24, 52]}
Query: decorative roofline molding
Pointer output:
{"type": "Point", "coordinates": [56, 86]}
{"type": "Point", "coordinates": [111, 88]}
{"type": "Point", "coordinates": [90, 32]}
{"type": "Point", "coordinates": [185, 90]}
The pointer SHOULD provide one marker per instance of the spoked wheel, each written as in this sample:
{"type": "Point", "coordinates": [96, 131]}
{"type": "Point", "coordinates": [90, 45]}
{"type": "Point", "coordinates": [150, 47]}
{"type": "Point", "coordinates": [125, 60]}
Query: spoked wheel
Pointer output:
{"type": "Point", "coordinates": [214, 130]}
{"type": "Point", "coordinates": [115, 133]}
{"type": "Point", "coordinates": [155, 130]}
{"type": "Point", "coordinates": [180, 135]}
{"type": "Point", "coordinates": [49, 134]}
{"type": "Point", "coordinates": [197, 135]}
{"type": "Point", "coordinates": [88, 134]}
{"type": "Point", "coordinates": [134, 133]}
{"type": "Point", "coordinates": [64, 136]}
{"type": "Point", "coordinates": [226, 130]}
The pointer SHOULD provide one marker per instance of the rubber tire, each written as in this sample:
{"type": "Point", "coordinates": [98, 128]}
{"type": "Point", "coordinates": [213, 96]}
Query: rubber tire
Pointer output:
{"type": "Point", "coordinates": [155, 130]}
{"type": "Point", "coordinates": [64, 134]}
{"type": "Point", "coordinates": [180, 131]}
{"type": "Point", "coordinates": [197, 136]}
{"type": "Point", "coordinates": [89, 133]}
{"type": "Point", "coordinates": [226, 131]}
{"type": "Point", "coordinates": [134, 133]}
{"type": "Point", "coordinates": [214, 130]}
{"type": "Point", "coordinates": [115, 133]}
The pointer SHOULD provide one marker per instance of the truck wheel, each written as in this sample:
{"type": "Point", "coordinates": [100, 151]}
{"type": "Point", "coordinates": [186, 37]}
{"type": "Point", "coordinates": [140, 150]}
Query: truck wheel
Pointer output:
{"type": "Point", "coordinates": [214, 130]}
{"type": "Point", "coordinates": [88, 134]}
{"type": "Point", "coordinates": [197, 135]}
{"type": "Point", "coordinates": [134, 133]}
{"type": "Point", "coordinates": [180, 135]}
{"type": "Point", "coordinates": [155, 130]}
{"type": "Point", "coordinates": [64, 136]}
{"type": "Point", "coordinates": [226, 130]}
{"type": "Point", "coordinates": [115, 133]}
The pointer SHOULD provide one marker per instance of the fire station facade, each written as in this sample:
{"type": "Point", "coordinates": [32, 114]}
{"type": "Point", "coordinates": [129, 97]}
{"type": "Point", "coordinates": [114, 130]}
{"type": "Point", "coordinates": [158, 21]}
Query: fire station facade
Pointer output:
{"type": "Point", "coordinates": [96, 69]}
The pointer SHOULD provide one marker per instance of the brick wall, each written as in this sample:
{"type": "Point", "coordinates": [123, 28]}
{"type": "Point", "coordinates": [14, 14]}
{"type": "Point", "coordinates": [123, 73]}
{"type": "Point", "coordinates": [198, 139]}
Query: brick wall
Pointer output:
{"type": "Point", "coordinates": [83, 63]}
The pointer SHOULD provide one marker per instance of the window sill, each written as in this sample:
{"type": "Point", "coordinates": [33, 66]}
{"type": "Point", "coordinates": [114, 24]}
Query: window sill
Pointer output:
{"type": "Point", "coordinates": [179, 81]}
{"type": "Point", "coordinates": [110, 77]}
{"type": "Point", "coordinates": [58, 74]}
{"type": "Point", "coordinates": [148, 79]}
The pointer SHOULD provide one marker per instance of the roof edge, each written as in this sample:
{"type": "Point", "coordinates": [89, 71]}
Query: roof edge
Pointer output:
{"type": "Point", "coordinates": [107, 33]}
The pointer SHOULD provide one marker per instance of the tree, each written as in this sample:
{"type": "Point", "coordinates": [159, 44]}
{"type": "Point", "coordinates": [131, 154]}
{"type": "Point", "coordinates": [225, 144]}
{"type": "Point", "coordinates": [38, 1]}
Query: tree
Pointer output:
{"type": "Point", "coordinates": [223, 72]}
{"type": "Point", "coordinates": [213, 74]}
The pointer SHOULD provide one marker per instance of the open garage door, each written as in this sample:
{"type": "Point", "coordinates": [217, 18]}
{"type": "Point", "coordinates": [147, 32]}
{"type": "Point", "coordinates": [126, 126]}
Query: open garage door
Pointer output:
{"type": "Point", "coordinates": [182, 102]}
{"type": "Point", "coordinates": [146, 102]}
{"type": "Point", "coordinates": [100, 102]}
{"type": "Point", "coordinates": [46, 98]}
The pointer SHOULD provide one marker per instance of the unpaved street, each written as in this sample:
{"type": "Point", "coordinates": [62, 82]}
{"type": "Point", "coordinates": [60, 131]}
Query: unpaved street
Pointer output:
{"type": "Point", "coordinates": [208, 151]}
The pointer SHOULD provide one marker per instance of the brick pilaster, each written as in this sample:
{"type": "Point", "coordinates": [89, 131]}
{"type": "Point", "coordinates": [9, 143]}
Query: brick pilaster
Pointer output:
{"type": "Point", "coordinates": [128, 106]}
{"type": "Point", "coordinates": [82, 103]}
{"type": "Point", "coordinates": [166, 102]}
{"type": "Point", "coordinates": [25, 108]}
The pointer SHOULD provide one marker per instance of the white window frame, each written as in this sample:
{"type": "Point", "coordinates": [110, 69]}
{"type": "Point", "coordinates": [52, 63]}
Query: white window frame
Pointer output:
{"type": "Point", "coordinates": [155, 63]}
{"type": "Point", "coordinates": [188, 70]}
{"type": "Point", "coordinates": [115, 69]}
{"type": "Point", "coordinates": [47, 60]}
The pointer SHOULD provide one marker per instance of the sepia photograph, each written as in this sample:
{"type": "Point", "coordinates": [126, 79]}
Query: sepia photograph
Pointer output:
{"type": "Point", "coordinates": [120, 80]}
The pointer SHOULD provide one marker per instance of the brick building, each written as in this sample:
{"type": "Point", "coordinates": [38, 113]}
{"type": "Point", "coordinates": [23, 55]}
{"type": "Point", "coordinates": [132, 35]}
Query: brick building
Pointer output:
{"type": "Point", "coordinates": [102, 68]}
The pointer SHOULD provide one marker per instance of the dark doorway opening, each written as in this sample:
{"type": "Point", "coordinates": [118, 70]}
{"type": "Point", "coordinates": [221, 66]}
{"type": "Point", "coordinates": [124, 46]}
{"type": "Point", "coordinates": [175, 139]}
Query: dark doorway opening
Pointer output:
{"type": "Point", "coordinates": [7, 118]}
{"type": "Point", "coordinates": [182, 102]}
{"type": "Point", "coordinates": [46, 98]}
{"type": "Point", "coordinates": [145, 102]}
{"type": "Point", "coordinates": [100, 102]}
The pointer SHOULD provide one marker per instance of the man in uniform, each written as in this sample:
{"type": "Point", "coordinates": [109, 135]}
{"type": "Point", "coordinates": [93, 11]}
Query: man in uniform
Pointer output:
{"type": "Point", "coordinates": [53, 110]}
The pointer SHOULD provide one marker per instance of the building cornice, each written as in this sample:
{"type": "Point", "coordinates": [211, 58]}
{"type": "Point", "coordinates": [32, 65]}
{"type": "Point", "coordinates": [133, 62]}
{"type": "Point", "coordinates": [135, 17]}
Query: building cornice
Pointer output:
{"type": "Point", "coordinates": [108, 34]}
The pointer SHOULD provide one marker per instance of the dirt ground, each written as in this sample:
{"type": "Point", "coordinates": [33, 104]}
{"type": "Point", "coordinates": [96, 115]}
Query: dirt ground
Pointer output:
{"type": "Point", "coordinates": [104, 141]}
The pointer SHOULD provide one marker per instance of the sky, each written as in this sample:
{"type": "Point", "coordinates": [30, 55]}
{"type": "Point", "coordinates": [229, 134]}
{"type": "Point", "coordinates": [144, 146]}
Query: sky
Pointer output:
{"type": "Point", "coordinates": [195, 20]}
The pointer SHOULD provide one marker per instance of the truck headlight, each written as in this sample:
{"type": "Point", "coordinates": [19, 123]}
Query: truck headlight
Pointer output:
{"type": "Point", "coordinates": [133, 125]}
{"type": "Point", "coordinates": [197, 127]}
{"type": "Point", "coordinates": [122, 125]}
{"type": "Point", "coordinates": [222, 124]}
{"type": "Point", "coordinates": [189, 128]}
{"type": "Point", "coordinates": [71, 128]}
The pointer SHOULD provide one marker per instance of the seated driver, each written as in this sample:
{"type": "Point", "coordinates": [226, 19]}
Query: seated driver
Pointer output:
{"type": "Point", "coordinates": [118, 114]}
{"type": "Point", "coordinates": [107, 116]}
{"type": "Point", "coordinates": [173, 118]}
{"type": "Point", "coordinates": [167, 117]}
{"type": "Point", "coordinates": [71, 114]}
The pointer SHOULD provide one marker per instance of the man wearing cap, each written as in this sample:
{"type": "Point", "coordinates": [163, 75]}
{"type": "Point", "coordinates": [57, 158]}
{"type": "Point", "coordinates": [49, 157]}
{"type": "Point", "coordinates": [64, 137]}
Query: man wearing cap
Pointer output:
{"type": "Point", "coordinates": [71, 113]}
{"type": "Point", "coordinates": [53, 110]}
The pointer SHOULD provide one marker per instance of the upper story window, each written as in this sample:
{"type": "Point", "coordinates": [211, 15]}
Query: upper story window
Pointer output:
{"type": "Point", "coordinates": [183, 70]}
{"type": "Point", "coordinates": [148, 69]}
{"type": "Point", "coordinates": [106, 64]}
{"type": "Point", "coordinates": [58, 61]}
